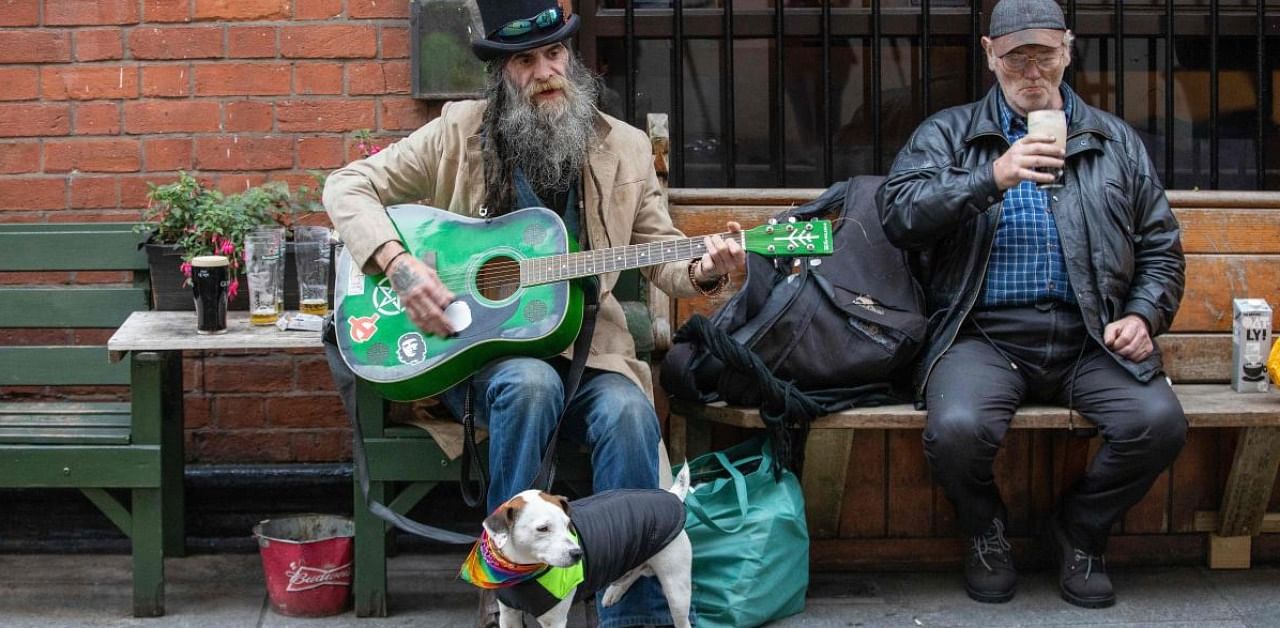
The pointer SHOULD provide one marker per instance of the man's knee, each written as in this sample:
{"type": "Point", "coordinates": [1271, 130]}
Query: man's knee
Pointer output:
{"type": "Point", "coordinates": [1159, 428]}
{"type": "Point", "coordinates": [630, 418]}
{"type": "Point", "coordinates": [527, 381]}
{"type": "Point", "coordinates": [959, 434]}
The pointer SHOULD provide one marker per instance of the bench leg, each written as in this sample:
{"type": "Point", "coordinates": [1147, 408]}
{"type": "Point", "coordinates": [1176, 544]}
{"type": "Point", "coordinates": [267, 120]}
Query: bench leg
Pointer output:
{"type": "Point", "coordinates": [148, 553]}
{"type": "Point", "coordinates": [826, 463]}
{"type": "Point", "coordinates": [371, 555]}
{"type": "Point", "coordinates": [697, 437]}
{"type": "Point", "coordinates": [1245, 499]}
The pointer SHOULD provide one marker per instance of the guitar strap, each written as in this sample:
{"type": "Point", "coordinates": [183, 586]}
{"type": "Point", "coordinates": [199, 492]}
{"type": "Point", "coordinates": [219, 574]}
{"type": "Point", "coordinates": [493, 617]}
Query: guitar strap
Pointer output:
{"type": "Point", "coordinates": [547, 469]}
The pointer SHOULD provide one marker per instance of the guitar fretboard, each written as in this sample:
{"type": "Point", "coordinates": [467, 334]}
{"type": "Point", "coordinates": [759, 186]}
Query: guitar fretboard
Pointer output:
{"type": "Point", "coordinates": [553, 268]}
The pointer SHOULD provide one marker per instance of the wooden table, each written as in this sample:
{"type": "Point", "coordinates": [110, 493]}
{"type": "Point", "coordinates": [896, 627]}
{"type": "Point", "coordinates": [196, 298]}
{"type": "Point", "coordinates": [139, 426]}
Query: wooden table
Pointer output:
{"type": "Point", "coordinates": [157, 340]}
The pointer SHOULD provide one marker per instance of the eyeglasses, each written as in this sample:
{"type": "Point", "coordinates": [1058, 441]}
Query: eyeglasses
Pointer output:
{"type": "Point", "coordinates": [1017, 61]}
{"type": "Point", "coordinates": [516, 28]}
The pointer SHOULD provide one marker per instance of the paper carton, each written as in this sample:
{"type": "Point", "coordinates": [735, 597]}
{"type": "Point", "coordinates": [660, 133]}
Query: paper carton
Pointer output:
{"type": "Point", "coordinates": [1250, 345]}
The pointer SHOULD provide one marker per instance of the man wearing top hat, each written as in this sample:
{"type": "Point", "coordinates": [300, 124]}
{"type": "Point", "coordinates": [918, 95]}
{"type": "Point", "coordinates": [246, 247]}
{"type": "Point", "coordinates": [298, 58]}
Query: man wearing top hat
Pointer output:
{"type": "Point", "coordinates": [536, 139]}
{"type": "Point", "coordinates": [1047, 295]}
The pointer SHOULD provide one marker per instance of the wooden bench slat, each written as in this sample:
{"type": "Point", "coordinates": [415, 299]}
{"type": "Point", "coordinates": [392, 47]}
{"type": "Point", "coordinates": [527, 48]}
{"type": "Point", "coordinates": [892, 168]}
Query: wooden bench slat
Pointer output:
{"type": "Point", "coordinates": [48, 466]}
{"type": "Point", "coordinates": [60, 366]}
{"type": "Point", "coordinates": [55, 435]}
{"type": "Point", "coordinates": [104, 248]}
{"type": "Point", "coordinates": [65, 407]}
{"type": "Point", "coordinates": [102, 307]}
{"type": "Point", "coordinates": [63, 421]}
{"type": "Point", "coordinates": [1206, 405]}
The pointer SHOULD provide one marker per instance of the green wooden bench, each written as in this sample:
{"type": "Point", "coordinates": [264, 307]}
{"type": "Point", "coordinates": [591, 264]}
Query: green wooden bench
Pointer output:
{"type": "Point", "coordinates": [90, 277]}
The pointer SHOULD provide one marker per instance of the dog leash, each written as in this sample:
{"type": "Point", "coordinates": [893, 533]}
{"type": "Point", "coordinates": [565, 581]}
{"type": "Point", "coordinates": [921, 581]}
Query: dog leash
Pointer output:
{"type": "Point", "coordinates": [547, 469]}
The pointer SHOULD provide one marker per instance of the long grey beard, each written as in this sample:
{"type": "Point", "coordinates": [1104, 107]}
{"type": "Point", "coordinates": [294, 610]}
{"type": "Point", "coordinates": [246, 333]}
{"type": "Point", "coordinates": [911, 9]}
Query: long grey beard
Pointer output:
{"type": "Point", "coordinates": [548, 143]}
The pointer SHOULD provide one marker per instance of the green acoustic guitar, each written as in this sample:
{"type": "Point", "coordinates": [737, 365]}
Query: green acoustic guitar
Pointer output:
{"type": "Point", "coordinates": [511, 276]}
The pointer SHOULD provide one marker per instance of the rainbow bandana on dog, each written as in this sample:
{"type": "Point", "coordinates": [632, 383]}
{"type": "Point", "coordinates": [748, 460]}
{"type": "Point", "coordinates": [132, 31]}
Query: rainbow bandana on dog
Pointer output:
{"type": "Point", "coordinates": [486, 568]}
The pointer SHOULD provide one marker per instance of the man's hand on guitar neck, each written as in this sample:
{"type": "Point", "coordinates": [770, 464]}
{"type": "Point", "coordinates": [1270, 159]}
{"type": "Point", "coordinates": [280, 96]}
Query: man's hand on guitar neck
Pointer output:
{"type": "Point", "coordinates": [421, 293]}
{"type": "Point", "coordinates": [723, 256]}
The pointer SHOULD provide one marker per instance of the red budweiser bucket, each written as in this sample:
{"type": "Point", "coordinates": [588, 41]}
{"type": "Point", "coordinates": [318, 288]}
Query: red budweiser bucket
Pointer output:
{"type": "Point", "coordinates": [307, 562]}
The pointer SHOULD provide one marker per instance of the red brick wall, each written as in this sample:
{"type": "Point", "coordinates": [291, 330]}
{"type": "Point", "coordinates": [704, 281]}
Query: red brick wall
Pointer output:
{"type": "Point", "coordinates": [100, 97]}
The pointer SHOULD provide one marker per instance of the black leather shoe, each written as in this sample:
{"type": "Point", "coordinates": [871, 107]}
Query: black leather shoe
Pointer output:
{"type": "Point", "coordinates": [487, 613]}
{"type": "Point", "coordinates": [1082, 576]}
{"type": "Point", "coordinates": [989, 575]}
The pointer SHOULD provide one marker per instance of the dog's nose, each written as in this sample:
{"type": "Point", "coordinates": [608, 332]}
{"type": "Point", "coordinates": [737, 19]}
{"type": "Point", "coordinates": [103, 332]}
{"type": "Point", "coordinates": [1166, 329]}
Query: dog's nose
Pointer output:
{"type": "Point", "coordinates": [575, 554]}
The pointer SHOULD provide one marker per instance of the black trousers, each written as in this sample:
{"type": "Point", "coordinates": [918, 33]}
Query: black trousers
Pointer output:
{"type": "Point", "coordinates": [975, 389]}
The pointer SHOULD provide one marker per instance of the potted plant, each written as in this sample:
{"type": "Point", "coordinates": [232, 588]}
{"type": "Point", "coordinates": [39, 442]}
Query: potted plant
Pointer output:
{"type": "Point", "coordinates": [188, 219]}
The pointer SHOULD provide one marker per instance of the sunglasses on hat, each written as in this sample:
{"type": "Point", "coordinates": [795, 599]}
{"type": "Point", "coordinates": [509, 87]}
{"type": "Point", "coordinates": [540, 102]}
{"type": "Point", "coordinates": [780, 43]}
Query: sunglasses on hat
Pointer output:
{"type": "Point", "coordinates": [516, 28]}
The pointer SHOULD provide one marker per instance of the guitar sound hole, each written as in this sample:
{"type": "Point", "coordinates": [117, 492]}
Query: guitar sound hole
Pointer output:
{"type": "Point", "coordinates": [498, 278]}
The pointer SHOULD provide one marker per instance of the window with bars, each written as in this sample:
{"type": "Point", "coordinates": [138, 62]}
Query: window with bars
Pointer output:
{"type": "Point", "coordinates": [801, 93]}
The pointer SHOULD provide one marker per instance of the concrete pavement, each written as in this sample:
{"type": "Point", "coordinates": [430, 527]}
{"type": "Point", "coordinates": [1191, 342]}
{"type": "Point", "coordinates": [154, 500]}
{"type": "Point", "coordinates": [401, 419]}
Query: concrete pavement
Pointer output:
{"type": "Point", "coordinates": [227, 590]}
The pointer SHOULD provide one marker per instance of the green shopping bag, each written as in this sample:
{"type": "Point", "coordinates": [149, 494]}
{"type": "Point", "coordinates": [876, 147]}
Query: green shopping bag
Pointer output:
{"type": "Point", "coordinates": [750, 541]}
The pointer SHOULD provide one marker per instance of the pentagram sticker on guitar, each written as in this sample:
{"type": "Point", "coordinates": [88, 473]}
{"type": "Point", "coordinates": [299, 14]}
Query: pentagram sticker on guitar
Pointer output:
{"type": "Point", "coordinates": [385, 299]}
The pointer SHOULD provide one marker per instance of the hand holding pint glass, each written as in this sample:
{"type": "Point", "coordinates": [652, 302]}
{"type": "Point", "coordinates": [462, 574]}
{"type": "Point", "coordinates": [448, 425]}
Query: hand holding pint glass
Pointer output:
{"type": "Point", "coordinates": [1051, 122]}
{"type": "Point", "coordinates": [209, 279]}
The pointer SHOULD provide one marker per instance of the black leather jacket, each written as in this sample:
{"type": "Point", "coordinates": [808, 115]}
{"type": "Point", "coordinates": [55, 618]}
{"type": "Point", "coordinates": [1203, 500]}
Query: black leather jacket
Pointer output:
{"type": "Point", "coordinates": [1121, 241]}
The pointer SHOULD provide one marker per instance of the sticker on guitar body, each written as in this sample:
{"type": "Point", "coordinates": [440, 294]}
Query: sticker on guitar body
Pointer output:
{"type": "Point", "coordinates": [411, 348]}
{"type": "Point", "coordinates": [362, 327]}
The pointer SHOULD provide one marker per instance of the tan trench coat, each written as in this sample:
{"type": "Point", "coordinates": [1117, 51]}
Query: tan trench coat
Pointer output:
{"type": "Point", "coordinates": [440, 164]}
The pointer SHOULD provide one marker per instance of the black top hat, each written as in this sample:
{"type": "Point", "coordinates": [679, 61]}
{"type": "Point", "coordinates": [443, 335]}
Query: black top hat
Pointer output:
{"type": "Point", "coordinates": [512, 26]}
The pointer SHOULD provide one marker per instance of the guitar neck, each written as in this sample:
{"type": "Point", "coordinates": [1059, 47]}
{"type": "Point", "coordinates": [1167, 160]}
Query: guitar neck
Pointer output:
{"type": "Point", "coordinates": [553, 268]}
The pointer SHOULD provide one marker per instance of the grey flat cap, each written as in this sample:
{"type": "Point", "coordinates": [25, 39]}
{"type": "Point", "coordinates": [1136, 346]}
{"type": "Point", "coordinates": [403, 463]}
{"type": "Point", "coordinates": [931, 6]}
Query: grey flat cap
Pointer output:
{"type": "Point", "coordinates": [1020, 22]}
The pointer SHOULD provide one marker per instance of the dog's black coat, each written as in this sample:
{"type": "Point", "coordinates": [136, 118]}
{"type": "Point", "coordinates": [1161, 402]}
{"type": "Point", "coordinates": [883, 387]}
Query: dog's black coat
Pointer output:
{"type": "Point", "coordinates": [619, 530]}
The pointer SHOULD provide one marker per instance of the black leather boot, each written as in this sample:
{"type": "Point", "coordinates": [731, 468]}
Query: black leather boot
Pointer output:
{"type": "Point", "coordinates": [989, 575]}
{"type": "Point", "coordinates": [1082, 576]}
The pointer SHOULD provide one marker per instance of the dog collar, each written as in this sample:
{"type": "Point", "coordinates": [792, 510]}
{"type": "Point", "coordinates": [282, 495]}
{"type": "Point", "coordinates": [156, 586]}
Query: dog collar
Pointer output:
{"type": "Point", "coordinates": [486, 568]}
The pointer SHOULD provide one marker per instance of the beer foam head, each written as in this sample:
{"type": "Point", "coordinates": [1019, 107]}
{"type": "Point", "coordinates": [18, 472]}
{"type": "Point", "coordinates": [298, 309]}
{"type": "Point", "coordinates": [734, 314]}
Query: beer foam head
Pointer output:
{"type": "Point", "coordinates": [210, 260]}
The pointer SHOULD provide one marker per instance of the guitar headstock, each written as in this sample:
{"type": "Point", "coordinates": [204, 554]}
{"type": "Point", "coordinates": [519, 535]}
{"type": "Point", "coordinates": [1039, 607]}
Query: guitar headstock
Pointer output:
{"type": "Point", "coordinates": [789, 239]}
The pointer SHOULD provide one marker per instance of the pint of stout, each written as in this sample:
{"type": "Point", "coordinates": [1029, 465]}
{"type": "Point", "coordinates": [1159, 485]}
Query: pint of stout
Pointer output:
{"type": "Point", "coordinates": [209, 277]}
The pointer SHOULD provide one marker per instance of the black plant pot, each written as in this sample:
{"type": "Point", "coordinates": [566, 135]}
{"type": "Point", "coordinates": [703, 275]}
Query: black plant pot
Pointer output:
{"type": "Point", "coordinates": [170, 292]}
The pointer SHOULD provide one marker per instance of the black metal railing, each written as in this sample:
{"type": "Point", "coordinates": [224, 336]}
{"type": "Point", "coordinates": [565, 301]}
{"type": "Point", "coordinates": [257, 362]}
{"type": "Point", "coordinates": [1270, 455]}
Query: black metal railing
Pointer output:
{"type": "Point", "coordinates": [799, 93]}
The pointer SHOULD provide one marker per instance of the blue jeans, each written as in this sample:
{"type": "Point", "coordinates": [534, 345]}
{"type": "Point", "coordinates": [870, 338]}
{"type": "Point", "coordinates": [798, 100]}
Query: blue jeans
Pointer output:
{"type": "Point", "coordinates": [519, 401]}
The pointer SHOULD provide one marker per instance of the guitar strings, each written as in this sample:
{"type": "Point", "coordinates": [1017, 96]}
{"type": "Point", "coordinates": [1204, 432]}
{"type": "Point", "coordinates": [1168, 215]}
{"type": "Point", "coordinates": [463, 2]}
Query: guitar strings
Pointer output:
{"type": "Point", "coordinates": [508, 274]}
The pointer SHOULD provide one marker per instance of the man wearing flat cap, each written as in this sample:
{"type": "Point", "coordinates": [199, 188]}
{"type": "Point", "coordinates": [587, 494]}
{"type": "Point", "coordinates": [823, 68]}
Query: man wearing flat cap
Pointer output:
{"type": "Point", "coordinates": [1039, 294]}
{"type": "Point", "coordinates": [536, 139]}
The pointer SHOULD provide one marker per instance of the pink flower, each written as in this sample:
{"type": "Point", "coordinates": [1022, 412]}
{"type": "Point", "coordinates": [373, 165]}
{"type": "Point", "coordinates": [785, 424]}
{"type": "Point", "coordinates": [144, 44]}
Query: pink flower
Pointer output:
{"type": "Point", "coordinates": [375, 150]}
{"type": "Point", "coordinates": [186, 268]}
{"type": "Point", "coordinates": [233, 288]}
{"type": "Point", "coordinates": [227, 248]}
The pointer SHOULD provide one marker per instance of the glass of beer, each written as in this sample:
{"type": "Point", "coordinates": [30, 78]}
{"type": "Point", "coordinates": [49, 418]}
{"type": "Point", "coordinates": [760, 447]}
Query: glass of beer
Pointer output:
{"type": "Point", "coordinates": [1049, 122]}
{"type": "Point", "coordinates": [278, 234]}
{"type": "Point", "coordinates": [312, 255]}
{"type": "Point", "coordinates": [209, 278]}
{"type": "Point", "coordinates": [264, 268]}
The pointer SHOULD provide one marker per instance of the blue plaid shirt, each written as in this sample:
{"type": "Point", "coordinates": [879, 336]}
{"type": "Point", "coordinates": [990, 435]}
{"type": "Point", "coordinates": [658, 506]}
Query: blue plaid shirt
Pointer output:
{"type": "Point", "coordinates": [1027, 265]}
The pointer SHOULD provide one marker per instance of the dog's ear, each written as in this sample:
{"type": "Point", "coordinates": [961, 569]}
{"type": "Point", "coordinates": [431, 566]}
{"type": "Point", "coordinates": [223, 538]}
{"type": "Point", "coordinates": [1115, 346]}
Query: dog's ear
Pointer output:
{"type": "Point", "coordinates": [558, 500]}
{"type": "Point", "coordinates": [563, 502]}
{"type": "Point", "coordinates": [499, 524]}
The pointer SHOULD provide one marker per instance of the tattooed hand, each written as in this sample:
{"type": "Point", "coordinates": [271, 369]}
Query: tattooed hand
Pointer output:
{"type": "Point", "coordinates": [421, 294]}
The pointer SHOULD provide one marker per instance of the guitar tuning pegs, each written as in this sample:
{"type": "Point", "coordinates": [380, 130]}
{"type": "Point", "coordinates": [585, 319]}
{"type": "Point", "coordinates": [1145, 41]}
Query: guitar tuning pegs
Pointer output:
{"type": "Point", "coordinates": [808, 226]}
{"type": "Point", "coordinates": [773, 221]}
{"type": "Point", "coordinates": [791, 247]}
{"type": "Point", "coordinates": [791, 228]}
{"type": "Point", "coordinates": [768, 229]}
{"type": "Point", "coordinates": [809, 246]}
{"type": "Point", "coordinates": [772, 248]}
{"type": "Point", "coordinates": [791, 219]}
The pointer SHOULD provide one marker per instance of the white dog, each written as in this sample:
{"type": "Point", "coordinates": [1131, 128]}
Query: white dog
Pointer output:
{"type": "Point", "coordinates": [545, 550]}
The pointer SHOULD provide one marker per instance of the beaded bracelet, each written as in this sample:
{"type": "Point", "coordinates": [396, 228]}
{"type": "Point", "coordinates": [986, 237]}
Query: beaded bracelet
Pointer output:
{"type": "Point", "coordinates": [721, 281]}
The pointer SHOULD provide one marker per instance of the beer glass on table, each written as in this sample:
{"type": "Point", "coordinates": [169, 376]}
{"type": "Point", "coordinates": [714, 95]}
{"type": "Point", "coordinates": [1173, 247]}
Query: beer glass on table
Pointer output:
{"type": "Point", "coordinates": [264, 268]}
{"type": "Point", "coordinates": [209, 278]}
{"type": "Point", "coordinates": [311, 253]}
